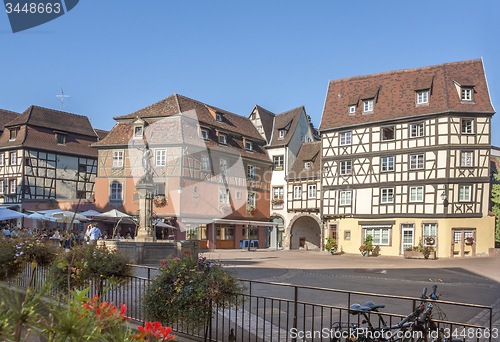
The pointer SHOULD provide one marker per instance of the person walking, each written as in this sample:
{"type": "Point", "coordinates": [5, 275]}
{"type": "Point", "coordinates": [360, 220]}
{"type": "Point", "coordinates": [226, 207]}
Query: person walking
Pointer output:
{"type": "Point", "coordinates": [94, 233]}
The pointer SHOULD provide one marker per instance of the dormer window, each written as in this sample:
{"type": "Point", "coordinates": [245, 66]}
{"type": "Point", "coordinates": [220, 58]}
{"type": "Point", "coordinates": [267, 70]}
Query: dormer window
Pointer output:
{"type": "Point", "coordinates": [13, 134]}
{"type": "Point", "coordinates": [281, 134]}
{"type": "Point", "coordinates": [218, 117]}
{"type": "Point", "coordinates": [222, 139]}
{"type": "Point", "coordinates": [138, 131]}
{"type": "Point", "coordinates": [248, 145]}
{"type": "Point", "coordinates": [352, 109]}
{"type": "Point", "coordinates": [368, 105]}
{"type": "Point", "coordinates": [204, 134]}
{"type": "Point", "coordinates": [466, 94]}
{"type": "Point", "coordinates": [423, 97]}
{"type": "Point", "coordinates": [60, 139]}
{"type": "Point", "coordinates": [307, 165]}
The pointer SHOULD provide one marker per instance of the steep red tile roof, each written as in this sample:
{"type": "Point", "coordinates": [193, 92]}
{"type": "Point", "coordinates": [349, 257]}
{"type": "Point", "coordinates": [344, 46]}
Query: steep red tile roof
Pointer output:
{"type": "Point", "coordinates": [176, 104]}
{"type": "Point", "coordinates": [308, 152]}
{"type": "Point", "coordinates": [395, 94]}
{"type": "Point", "coordinates": [101, 133]}
{"type": "Point", "coordinates": [42, 138]}
{"type": "Point", "coordinates": [281, 121]}
{"type": "Point", "coordinates": [54, 119]}
{"type": "Point", "coordinates": [5, 117]}
{"type": "Point", "coordinates": [267, 119]}
{"type": "Point", "coordinates": [186, 131]}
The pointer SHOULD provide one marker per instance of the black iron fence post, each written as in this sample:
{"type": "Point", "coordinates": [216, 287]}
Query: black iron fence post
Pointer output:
{"type": "Point", "coordinates": [295, 310]}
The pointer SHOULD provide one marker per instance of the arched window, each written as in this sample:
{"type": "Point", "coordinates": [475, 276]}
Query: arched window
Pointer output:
{"type": "Point", "coordinates": [116, 191]}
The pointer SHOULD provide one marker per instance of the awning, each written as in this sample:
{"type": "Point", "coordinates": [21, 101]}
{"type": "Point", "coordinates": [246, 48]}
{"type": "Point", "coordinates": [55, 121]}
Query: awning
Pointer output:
{"type": "Point", "coordinates": [197, 222]}
{"type": "Point", "coordinates": [376, 224]}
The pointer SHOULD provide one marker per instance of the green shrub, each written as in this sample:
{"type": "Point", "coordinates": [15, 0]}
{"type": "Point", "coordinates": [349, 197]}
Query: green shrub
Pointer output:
{"type": "Point", "coordinates": [89, 262]}
{"type": "Point", "coordinates": [12, 259]}
{"type": "Point", "coordinates": [187, 289]}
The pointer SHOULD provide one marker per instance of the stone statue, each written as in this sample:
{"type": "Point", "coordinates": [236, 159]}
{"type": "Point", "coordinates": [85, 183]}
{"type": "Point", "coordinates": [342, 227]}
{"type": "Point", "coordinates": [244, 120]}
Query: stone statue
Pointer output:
{"type": "Point", "coordinates": [146, 162]}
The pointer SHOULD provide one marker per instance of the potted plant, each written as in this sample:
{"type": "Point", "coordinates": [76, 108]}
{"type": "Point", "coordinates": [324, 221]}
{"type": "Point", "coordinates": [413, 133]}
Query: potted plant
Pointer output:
{"type": "Point", "coordinates": [277, 201]}
{"type": "Point", "coordinates": [469, 240]}
{"type": "Point", "coordinates": [367, 246]}
{"type": "Point", "coordinates": [160, 201]}
{"type": "Point", "coordinates": [251, 210]}
{"type": "Point", "coordinates": [430, 240]}
{"type": "Point", "coordinates": [331, 245]}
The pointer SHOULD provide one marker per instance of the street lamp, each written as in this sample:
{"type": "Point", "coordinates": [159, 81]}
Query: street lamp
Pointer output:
{"type": "Point", "coordinates": [445, 199]}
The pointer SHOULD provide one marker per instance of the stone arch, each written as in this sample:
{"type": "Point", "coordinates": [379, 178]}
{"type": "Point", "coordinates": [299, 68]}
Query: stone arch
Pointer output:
{"type": "Point", "coordinates": [305, 231]}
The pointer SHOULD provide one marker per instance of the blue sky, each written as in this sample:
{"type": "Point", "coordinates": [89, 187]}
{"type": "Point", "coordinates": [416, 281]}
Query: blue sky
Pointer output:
{"type": "Point", "coordinates": [115, 57]}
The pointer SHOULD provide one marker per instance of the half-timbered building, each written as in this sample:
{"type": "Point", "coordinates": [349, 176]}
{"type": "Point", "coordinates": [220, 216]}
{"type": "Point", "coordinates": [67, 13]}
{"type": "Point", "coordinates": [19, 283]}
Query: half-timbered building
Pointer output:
{"type": "Point", "coordinates": [405, 159]}
{"type": "Point", "coordinates": [303, 184]}
{"type": "Point", "coordinates": [45, 155]}
{"type": "Point", "coordinates": [209, 167]}
{"type": "Point", "coordinates": [285, 133]}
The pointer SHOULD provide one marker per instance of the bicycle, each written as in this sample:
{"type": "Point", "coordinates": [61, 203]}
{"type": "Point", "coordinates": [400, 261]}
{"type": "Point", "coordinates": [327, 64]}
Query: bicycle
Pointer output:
{"type": "Point", "coordinates": [418, 323]}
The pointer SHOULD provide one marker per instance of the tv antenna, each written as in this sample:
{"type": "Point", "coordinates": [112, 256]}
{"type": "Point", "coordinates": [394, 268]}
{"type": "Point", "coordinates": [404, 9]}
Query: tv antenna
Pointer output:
{"type": "Point", "coordinates": [62, 96]}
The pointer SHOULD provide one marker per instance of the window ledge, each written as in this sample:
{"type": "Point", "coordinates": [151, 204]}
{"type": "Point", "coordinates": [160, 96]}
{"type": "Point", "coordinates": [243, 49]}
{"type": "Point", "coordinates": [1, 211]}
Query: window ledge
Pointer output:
{"type": "Point", "coordinates": [367, 113]}
{"type": "Point", "coordinates": [421, 104]}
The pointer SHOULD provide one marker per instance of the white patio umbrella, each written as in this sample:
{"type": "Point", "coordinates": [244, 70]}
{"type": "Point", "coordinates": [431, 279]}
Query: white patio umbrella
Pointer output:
{"type": "Point", "coordinates": [90, 213]}
{"type": "Point", "coordinates": [65, 216]}
{"type": "Point", "coordinates": [162, 224]}
{"type": "Point", "coordinates": [7, 214]}
{"type": "Point", "coordinates": [114, 214]}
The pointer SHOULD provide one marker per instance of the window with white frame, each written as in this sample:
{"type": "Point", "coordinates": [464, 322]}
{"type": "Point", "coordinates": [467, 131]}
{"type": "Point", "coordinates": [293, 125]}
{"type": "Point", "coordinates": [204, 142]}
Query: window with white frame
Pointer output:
{"type": "Point", "coordinates": [138, 131]}
{"type": "Point", "coordinates": [345, 138]}
{"type": "Point", "coordinates": [116, 191]}
{"type": "Point", "coordinates": [345, 197]}
{"type": "Point", "coordinates": [13, 134]}
{"type": "Point", "coordinates": [223, 166]}
{"type": "Point", "coordinates": [416, 161]}
{"type": "Point", "coordinates": [2, 159]}
{"type": "Point", "coordinates": [251, 199]}
{"type": "Point", "coordinates": [278, 162]}
{"type": "Point", "coordinates": [281, 134]}
{"type": "Point", "coordinates": [311, 191]}
{"type": "Point", "coordinates": [423, 97]}
{"type": "Point", "coordinates": [467, 126]}
{"type": "Point", "coordinates": [2, 186]}
{"type": "Point", "coordinates": [307, 165]}
{"type": "Point", "coordinates": [218, 117]}
{"type": "Point", "coordinates": [13, 158]}
{"type": "Point", "coordinates": [464, 193]}
{"type": "Point", "coordinates": [466, 94]}
{"type": "Point", "coordinates": [467, 158]}
{"type": "Point", "coordinates": [238, 195]}
{"type": "Point", "coordinates": [387, 195]}
{"type": "Point", "coordinates": [223, 196]}
{"type": "Point", "coordinates": [346, 167]}
{"type": "Point", "coordinates": [204, 133]}
{"type": "Point", "coordinates": [352, 109]}
{"type": "Point", "coordinates": [278, 192]}
{"type": "Point", "coordinates": [429, 230]}
{"type": "Point", "coordinates": [205, 162]}
{"type": "Point", "coordinates": [387, 164]}
{"type": "Point", "coordinates": [388, 133]}
{"type": "Point", "coordinates": [222, 139]}
{"type": "Point", "coordinates": [380, 235]}
{"type": "Point", "coordinates": [248, 145]}
{"type": "Point", "coordinates": [161, 158]}
{"type": "Point", "coordinates": [297, 192]}
{"type": "Point", "coordinates": [251, 171]}
{"type": "Point", "coordinates": [368, 105]}
{"type": "Point", "coordinates": [117, 158]}
{"type": "Point", "coordinates": [13, 186]}
{"type": "Point", "coordinates": [416, 194]}
{"type": "Point", "coordinates": [417, 130]}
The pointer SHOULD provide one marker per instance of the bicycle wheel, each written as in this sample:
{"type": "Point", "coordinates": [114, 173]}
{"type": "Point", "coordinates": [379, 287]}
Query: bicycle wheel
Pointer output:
{"type": "Point", "coordinates": [340, 332]}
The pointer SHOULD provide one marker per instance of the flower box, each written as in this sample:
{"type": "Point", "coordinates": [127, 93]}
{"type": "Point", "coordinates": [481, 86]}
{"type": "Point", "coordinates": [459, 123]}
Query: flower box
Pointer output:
{"type": "Point", "coordinates": [159, 201]}
{"type": "Point", "coordinates": [418, 255]}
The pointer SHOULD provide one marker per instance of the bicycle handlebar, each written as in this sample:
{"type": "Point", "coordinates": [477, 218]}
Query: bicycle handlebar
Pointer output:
{"type": "Point", "coordinates": [433, 295]}
{"type": "Point", "coordinates": [423, 293]}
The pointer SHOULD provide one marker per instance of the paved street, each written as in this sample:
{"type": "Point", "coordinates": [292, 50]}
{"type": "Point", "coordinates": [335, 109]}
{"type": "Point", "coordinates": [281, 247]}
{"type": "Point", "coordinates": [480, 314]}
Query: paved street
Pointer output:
{"type": "Point", "coordinates": [465, 280]}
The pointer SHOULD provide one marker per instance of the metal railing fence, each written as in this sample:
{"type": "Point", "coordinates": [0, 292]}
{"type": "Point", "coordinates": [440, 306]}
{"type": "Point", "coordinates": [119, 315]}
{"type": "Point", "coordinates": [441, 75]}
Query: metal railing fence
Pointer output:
{"type": "Point", "coordinates": [295, 313]}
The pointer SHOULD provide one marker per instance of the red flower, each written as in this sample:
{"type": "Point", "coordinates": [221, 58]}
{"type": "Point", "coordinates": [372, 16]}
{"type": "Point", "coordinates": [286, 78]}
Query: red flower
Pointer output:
{"type": "Point", "coordinates": [165, 332]}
